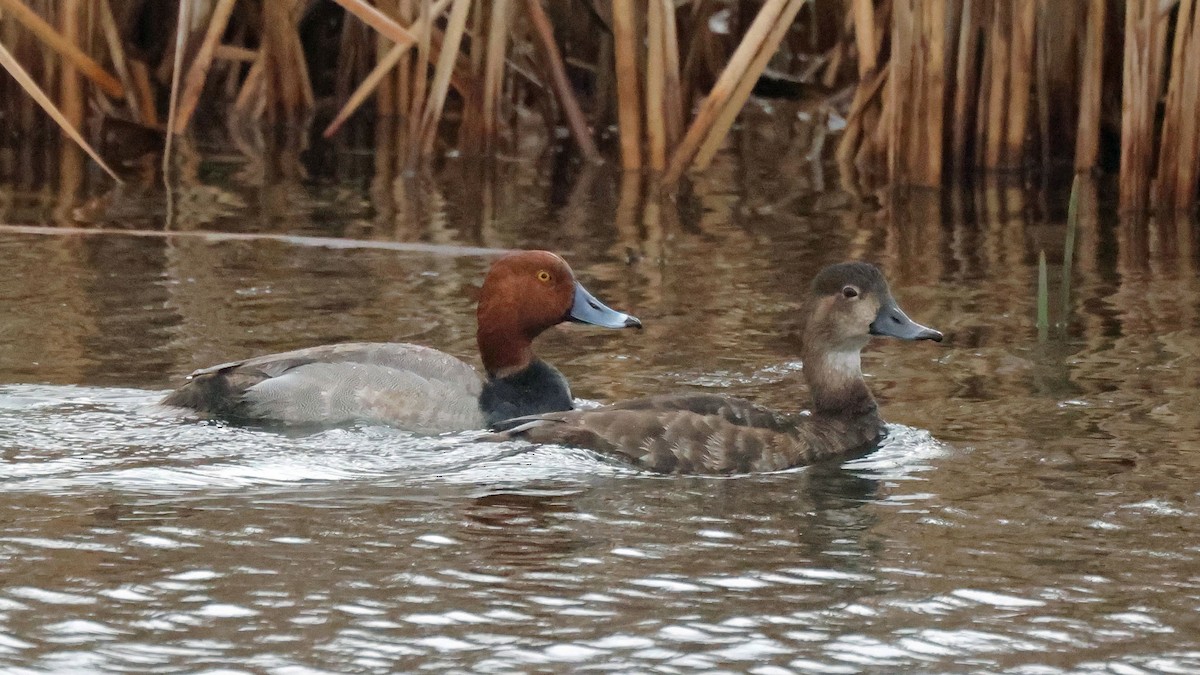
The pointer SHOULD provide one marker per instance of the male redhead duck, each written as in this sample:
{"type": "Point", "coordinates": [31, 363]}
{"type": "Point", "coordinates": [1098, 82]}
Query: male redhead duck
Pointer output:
{"type": "Point", "coordinates": [711, 434]}
{"type": "Point", "coordinates": [413, 387]}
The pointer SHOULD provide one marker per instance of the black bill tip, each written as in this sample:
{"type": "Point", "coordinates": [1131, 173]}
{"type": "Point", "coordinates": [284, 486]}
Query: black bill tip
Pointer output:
{"type": "Point", "coordinates": [587, 309]}
{"type": "Point", "coordinates": [893, 322]}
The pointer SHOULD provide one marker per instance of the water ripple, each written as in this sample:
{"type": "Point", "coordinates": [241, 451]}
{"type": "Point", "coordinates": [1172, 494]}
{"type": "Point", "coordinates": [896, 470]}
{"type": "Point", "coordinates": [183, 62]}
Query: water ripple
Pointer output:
{"type": "Point", "coordinates": [380, 551]}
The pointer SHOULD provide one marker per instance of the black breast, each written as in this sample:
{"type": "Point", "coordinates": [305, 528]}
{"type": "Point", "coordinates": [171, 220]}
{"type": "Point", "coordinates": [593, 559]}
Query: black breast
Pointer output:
{"type": "Point", "coordinates": [538, 389]}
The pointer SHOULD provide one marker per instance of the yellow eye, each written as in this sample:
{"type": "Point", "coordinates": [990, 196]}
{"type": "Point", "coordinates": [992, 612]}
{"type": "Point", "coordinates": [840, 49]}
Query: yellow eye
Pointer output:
{"type": "Point", "coordinates": [543, 276]}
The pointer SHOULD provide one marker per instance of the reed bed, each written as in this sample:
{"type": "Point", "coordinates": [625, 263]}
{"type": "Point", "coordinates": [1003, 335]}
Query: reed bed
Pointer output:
{"type": "Point", "coordinates": [444, 74]}
{"type": "Point", "coordinates": [932, 92]}
{"type": "Point", "coordinates": [962, 86]}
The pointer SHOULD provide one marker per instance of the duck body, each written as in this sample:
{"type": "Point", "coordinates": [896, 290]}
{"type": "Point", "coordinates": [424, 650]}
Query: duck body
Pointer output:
{"type": "Point", "coordinates": [409, 386]}
{"type": "Point", "coordinates": [711, 434]}
{"type": "Point", "coordinates": [703, 434]}
{"type": "Point", "coordinates": [406, 385]}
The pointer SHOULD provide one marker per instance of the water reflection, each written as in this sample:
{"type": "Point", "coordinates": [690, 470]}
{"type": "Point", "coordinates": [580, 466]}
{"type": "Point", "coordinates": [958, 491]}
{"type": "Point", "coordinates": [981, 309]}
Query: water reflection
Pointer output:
{"type": "Point", "coordinates": [1030, 512]}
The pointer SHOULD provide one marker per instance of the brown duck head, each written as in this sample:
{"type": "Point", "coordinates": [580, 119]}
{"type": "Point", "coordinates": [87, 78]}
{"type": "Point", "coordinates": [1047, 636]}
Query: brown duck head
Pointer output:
{"type": "Point", "coordinates": [524, 293]}
{"type": "Point", "coordinates": [848, 303]}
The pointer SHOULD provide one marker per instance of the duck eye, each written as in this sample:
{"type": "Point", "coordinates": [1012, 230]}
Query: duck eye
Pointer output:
{"type": "Point", "coordinates": [850, 292]}
{"type": "Point", "coordinates": [543, 276]}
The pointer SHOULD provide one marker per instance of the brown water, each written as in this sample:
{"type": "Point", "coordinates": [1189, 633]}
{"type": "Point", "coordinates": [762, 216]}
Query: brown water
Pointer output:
{"type": "Point", "coordinates": [1035, 509]}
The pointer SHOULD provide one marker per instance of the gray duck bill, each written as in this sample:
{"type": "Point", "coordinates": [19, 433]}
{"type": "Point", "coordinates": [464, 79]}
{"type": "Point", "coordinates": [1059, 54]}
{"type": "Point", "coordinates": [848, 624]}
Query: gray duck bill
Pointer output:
{"type": "Point", "coordinates": [587, 309]}
{"type": "Point", "coordinates": [891, 321]}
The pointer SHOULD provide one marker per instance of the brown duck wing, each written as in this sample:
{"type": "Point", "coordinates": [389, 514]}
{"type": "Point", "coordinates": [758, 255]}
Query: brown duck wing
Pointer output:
{"type": "Point", "coordinates": [405, 385]}
{"type": "Point", "coordinates": [737, 411]}
{"type": "Point", "coordinates": [701, 435]}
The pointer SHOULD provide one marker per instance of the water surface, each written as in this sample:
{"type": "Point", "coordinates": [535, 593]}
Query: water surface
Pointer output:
{"type": "Point", "coordinates": [1034, 509]}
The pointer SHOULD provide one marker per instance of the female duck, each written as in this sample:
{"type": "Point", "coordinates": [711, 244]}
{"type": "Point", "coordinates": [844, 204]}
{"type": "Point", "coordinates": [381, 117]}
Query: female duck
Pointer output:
{"type": "Point", "coordinates": [710, 434]}
{"type": "Point", "coordinates": [413, 387]}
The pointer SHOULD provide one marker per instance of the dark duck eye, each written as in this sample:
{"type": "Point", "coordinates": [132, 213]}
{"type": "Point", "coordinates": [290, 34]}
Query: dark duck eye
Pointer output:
{"type": "Point", "coordinates": [850, 292]}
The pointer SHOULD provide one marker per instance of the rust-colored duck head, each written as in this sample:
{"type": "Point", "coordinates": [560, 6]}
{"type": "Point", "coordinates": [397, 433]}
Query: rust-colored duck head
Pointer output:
{"type": "Point", "coordinates": [849, 303]}
{"type": "Point", "coordinates": [525, 293]}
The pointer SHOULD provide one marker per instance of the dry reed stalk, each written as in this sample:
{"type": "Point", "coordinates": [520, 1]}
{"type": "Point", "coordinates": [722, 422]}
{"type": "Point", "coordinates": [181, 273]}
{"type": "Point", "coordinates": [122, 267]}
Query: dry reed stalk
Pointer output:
{"type": "Point", "coordinates": [1189, 157]}
{"type": "Point", "coordinates": [476, 33]}
{"type": "Point", "coordinates": [656, 131]}
{"type": "Point", "coordinates": [1043, 55]}
{"type": "Point", "coordinates": [1020, 79]}
{"type": "Point", "coordinates": [1168, 152]}
{"type": "Point", "coordinates": [994, 106]}
{"type": "Point", "coordinates": [861, 117]}
{"type": "Point", "coordinates": [70, 98]}
{"type": "Point", "coordinates": [252, 87]}
{"type": "Point", "coordinates": [629, 110]}
{"type": "Point", "coordinates": [696, 27]}
{"type": "Point", "coordinates": [857, 140]}
{"type": "Point", "coordinates": [469, 126]}
{"type": "Point", "coordinates": [14, 68]}
{"type": "Point", "coordinates": [402, 75]}
{"type": "Point", "coordinates": [385, 95]}
{"type": "Point", "coordinates": [66, 48]}
{"type": "Point", "coordinates": [493, 72]}
{"type": "Point", "coordinates": [12, 35]}
{"type": "Point", "coordinates": [350, 57]}
{"type": "Point", "coordinates": [398, 91]}
{"type": "Point", "coordinates": [116, 50]}
{"type": "Point", "coordinates": [283, 63]}
{"type": "Point", "coordinates": [401, 10]}
{"type": "Point", "coordinates": [234, 53]}
{"type": "Point", "coordinates": [193, 84]}
{"type": "Point", "coordinates": [918, 87]}
{"type": "Point", "coordinates": [1145, 30]}
{"type": "Point", "coordinates": [300, 63]}
{"type": "Point", "coordinates": [864, 36]}
{"type": "Point", "coordinates": [729, 112]}
{"type": "Point", "coordinates": [672, 110]}
{"type": "Point", "coordinates": [978, 121]}
{"type": "Point", "coordinates": [604, 85]}
{"type": "Point", "coordinates": [576, 121]}
{"type": "Point", "coordinates": [1060, 50]}
{"type": "Point", "coordinates": [420, 83]}
{"type": "Point", "coordinates": [934, 96]}
{"type": "Point", "coordinates": [714, 52]}
{"type": "Point", "coordinates": [727, 82]}
{"type": "Point", "coordinates": [833, 64]}
{"type": "Point", "coordinates": [879, 136]}
{"type": "Point", "coordinates": [523, 80]}
{"type": "Point", "coordinates": [145, 93]}
{"type": "Point", "coordinates": [376, 19]}
{"type": "Point", "coordinates": [182, 21]}
{"type": "Point", "coordinates": [455, 28]}
{"type": "Point", "coordinates": [382, 68]}
{"type": "Point", "coordinates": [1179, 150]}
{"type": "Point", "coordinates": [900, 84]}
{"type": "Point", "coordinates": [966, 79]}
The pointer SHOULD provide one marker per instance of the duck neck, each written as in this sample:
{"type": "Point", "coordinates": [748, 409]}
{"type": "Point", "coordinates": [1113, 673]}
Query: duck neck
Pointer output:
{"type": "Point", "coordinates": [836, 383]}
{"type": "Point", "coordinates": [505, 350]}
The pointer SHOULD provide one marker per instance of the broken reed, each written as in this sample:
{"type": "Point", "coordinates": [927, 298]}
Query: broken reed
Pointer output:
{"type": "Point", "coordinates": [1006, 84]}
{"type": "Point", "coordinates": [940, 88]}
